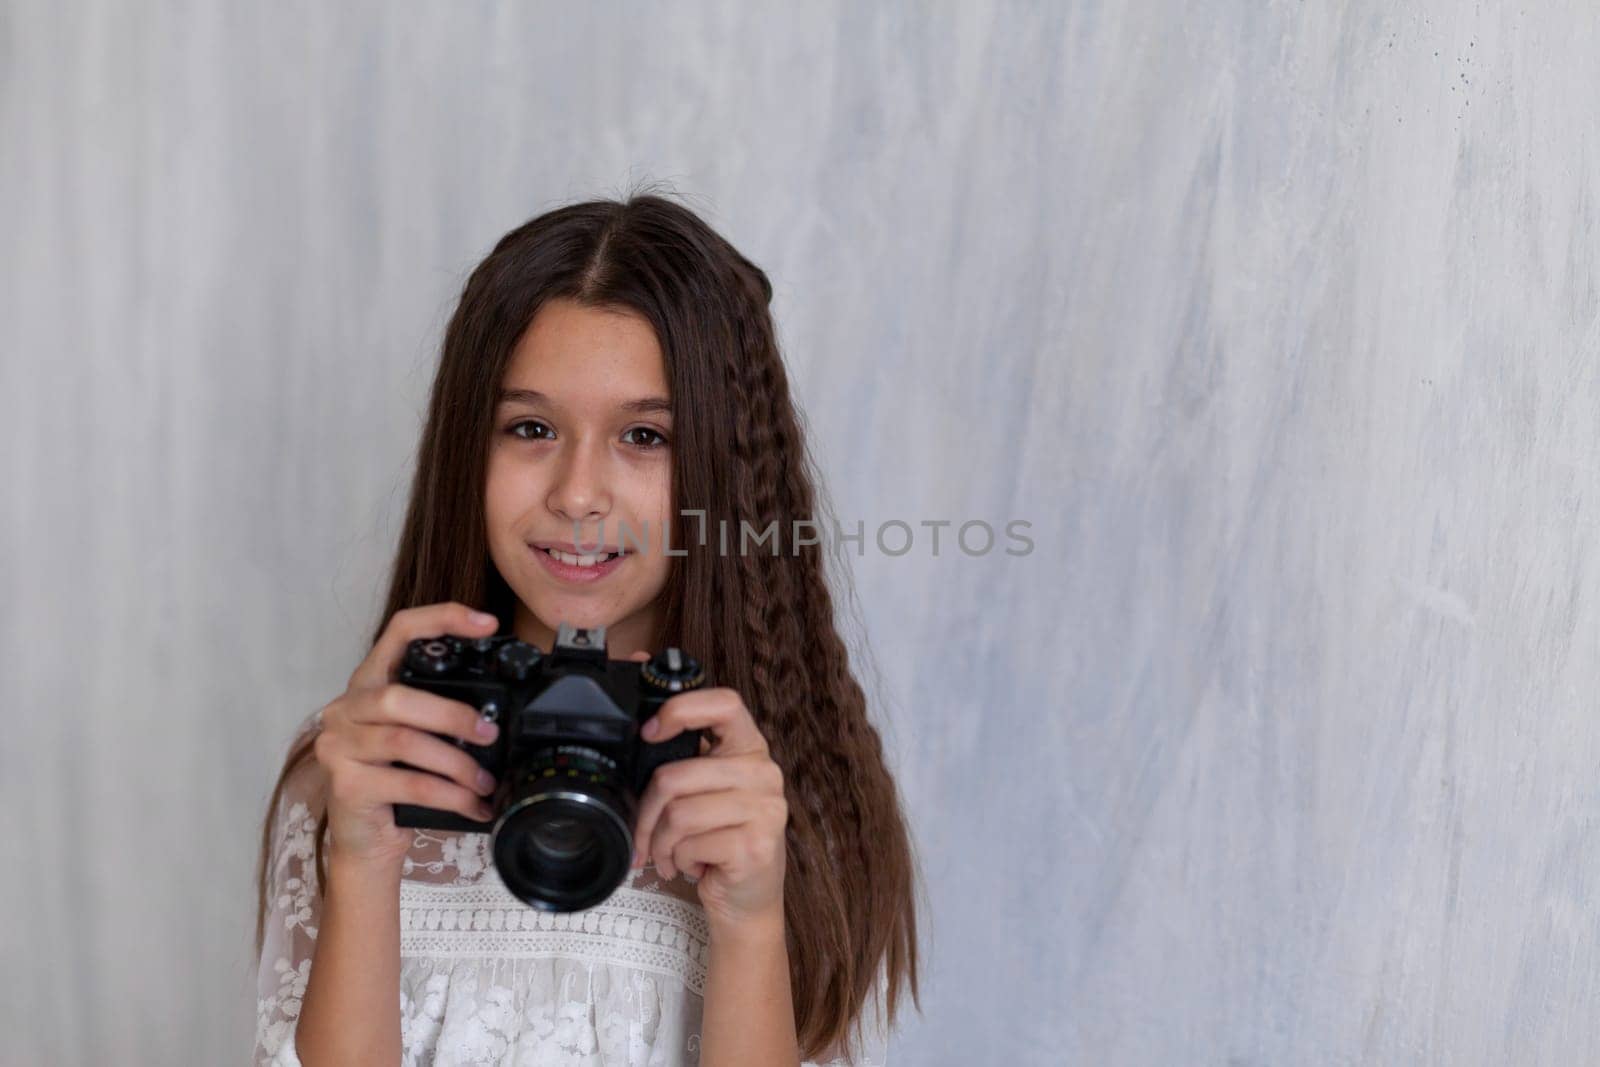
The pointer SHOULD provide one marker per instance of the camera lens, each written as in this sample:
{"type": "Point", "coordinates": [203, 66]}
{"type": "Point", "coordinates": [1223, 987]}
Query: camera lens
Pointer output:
{"type": "Point", "coordinates": [561, 840]}
{"type": "Point", "coordinates": [564, 842]}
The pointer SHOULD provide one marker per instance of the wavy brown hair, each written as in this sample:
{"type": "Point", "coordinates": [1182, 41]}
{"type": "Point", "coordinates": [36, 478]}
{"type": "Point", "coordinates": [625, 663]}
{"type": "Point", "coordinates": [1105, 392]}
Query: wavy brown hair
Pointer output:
{"type": "Point", "coordinates": [762, 622]}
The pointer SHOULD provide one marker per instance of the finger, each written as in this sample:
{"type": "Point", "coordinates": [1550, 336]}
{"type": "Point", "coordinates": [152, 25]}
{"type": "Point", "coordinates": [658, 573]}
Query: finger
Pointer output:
{"type": "Point", "coordinates": [418, 708]}
{"type": "Point", "coordinates": [720, 710]}
{"type": "Point", "coordinates": [381, 745]}
{"type": "Point", "coordinates": [755, 774]}
{"type": "Point", "coordinates": [734, 849]}
{"type": "Point", "coordinates": [409, 624]}
{"type": "Point", "coordinates": [697, 814]}
{"type": "Point", "coordinates": [365, 787]}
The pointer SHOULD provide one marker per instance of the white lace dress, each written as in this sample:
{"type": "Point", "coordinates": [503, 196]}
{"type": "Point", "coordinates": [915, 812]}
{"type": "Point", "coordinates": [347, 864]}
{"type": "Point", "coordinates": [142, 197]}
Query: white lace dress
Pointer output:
{"type": "Point", "coordinates": [487, 980]}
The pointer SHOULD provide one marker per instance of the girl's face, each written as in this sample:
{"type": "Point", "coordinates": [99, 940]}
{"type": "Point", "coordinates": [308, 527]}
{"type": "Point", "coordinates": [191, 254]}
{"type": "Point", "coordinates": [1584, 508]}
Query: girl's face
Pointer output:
{"type": "Point", "coordinates": [581, 436]}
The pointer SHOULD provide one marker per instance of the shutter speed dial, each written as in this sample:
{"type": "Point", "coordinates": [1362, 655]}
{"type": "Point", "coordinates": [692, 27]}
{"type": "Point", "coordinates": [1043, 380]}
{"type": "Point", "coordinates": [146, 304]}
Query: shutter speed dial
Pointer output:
{"type": "Point", "coordinates": [439, 656]}
{"type": "Point", "coordinates": [673, 671]}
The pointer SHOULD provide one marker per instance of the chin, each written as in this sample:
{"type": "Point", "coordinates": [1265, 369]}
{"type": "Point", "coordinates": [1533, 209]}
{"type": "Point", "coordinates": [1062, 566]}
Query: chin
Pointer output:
{"type": "Point", "coordinates": [553, 611]}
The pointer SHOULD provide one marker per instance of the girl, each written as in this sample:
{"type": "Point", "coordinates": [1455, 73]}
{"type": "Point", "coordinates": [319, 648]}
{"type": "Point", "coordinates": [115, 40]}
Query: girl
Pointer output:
{"type": "Point", "coordinates": [611, 366]}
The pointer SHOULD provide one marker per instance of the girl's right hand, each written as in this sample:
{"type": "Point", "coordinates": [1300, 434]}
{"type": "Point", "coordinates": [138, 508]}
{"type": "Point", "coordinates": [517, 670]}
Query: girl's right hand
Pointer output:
{"type": "Point", "coordinates": [377, 721]}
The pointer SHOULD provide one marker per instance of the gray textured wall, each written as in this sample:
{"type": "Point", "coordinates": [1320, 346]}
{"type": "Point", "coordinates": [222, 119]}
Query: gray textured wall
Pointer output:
{"type": "Point", "coordinates": [1278, 321]}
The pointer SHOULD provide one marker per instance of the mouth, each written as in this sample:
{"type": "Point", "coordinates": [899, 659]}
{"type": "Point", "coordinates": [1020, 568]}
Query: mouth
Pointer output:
{"type": "Point", "coordinates": [567, 553]}
{"type": "Point", "coordinates": [578, 566]}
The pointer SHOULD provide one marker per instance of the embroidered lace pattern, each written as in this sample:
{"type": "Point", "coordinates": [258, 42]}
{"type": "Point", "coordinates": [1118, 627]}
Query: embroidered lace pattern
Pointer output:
{"type": "Point", "coordinates": [647, 931]}
{"type": "Point", "coordinates": [487, 980]}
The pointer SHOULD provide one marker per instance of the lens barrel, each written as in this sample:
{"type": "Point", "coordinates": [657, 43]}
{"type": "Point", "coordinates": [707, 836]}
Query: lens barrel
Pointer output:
{"type": "Point", "coordinates": [564, 841]}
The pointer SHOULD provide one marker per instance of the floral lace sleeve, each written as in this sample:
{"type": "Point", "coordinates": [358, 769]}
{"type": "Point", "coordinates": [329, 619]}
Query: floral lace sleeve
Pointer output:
{"type": "Point", "coordinates": [293, 907]}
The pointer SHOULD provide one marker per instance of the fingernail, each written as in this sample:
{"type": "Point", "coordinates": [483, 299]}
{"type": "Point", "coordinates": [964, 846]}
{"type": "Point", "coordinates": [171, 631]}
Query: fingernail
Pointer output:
{"type": "Point", "coordinates": [638, 858]}
{"type": "Point", "coordinates": [482, 619]}
{"type": "Point", "coordinates": [487, 729]}
{"type": "Point", "coordinates": [485, 813]}
{"type": "Point", "coordinates": [485, 781]}
{"type": "Point", "coordinates": [651, 728]}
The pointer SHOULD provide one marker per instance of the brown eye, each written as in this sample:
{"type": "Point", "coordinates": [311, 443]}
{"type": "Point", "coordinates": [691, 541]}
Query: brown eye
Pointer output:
{"type": "Point", "coordinates": [517, 426]}
{"type": "Point", "coordinates": [653, 438]}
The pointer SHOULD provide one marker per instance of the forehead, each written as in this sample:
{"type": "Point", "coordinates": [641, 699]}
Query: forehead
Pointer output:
{"type": "Point", "coordinates": [581, 354]}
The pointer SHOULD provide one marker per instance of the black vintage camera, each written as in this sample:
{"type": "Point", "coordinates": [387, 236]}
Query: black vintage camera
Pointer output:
{"type": "Point", "coordinates": [568, 762]}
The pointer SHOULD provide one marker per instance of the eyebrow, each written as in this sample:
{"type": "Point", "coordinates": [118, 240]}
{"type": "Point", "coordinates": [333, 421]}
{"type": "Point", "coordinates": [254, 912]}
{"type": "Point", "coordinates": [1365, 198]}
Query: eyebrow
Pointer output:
{"type": "Point", "coordinates": [644, 406]}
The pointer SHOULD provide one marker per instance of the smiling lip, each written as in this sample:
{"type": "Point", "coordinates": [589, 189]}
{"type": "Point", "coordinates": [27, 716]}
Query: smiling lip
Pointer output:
{"type": "Point", "coordinates": [573, 572]}
{"type": "Point", "coordinates": [573, 547]}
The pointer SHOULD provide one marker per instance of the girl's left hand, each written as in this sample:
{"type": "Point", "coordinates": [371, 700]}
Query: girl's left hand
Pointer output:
{"type": "Point", "coordinates": [720, 817]}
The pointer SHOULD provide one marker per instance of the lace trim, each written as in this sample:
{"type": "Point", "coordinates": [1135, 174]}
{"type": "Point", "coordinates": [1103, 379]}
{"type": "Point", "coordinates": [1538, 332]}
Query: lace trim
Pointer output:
{"type": "Point", "coordinates": [652, 931]}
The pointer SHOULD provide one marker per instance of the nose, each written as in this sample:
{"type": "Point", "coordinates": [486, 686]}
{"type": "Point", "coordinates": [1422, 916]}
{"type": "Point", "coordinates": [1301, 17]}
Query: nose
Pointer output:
{"type": "Point", "coordinates": [580, 491]}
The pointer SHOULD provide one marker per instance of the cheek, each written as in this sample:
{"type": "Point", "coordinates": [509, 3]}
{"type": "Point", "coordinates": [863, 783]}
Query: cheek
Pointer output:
{"type": "Point", "coordinates": [653, 504]}
{"type": "Point", "coordinates": [661, 503]}
{"type": "Point", "coordinates": [507, 492]}
{"type": "Point", "coordinates": [646, 495]}
{"type": "Point", "coordinates": [494, 497]}
{"type": "Point", "coordinates": [657, 490]}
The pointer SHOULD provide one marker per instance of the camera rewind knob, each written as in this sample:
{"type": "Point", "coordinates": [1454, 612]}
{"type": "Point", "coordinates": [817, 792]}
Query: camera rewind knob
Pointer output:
{"type": "Point", "coordinates": [672, 671]}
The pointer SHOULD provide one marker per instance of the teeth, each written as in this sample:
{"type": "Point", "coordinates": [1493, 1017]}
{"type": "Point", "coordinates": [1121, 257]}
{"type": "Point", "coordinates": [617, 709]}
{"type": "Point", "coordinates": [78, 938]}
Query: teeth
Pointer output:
{"type": "Point", "coordinates": [579, 561]}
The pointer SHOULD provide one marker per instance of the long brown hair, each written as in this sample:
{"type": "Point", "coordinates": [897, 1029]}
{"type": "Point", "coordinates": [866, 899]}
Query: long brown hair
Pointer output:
{"type": "Point", "coordinates": [762, 622]}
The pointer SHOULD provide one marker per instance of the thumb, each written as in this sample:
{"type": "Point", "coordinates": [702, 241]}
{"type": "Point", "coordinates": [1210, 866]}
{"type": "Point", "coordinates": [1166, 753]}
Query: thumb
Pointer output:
{"type": "Point", "coordinates": [639, 657]}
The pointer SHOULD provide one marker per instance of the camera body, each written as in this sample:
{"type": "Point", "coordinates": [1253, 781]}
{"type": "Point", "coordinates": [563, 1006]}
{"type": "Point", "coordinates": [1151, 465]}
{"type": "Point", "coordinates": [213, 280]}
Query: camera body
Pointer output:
{"type": "Point", "coordinates": [568, 761]}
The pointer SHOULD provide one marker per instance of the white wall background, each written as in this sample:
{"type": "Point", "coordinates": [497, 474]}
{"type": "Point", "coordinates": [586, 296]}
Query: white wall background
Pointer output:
{"type": "Point", "coordinates": [1279, 321]}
